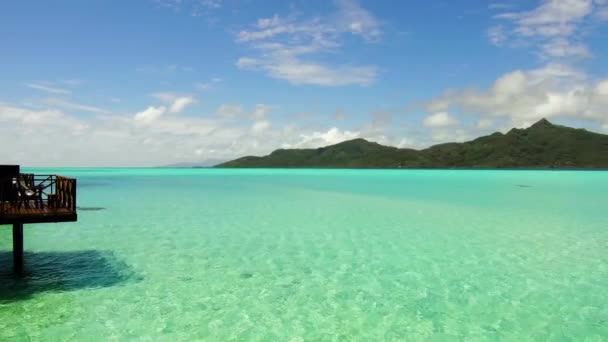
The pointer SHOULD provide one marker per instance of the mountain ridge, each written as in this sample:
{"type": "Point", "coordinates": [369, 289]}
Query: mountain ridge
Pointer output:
{"type": "Point", "coordinates": [542, 145]}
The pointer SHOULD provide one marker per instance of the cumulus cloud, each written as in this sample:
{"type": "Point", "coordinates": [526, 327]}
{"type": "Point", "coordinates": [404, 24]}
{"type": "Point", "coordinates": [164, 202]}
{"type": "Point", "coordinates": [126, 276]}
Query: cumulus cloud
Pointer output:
{"type": "Point", "coordinates": [443, 127]}
{"type": "Point", "coordinates": [485, 123]}
{"type": "Point", "coordinates": [150, 114]}
{"type": "Point", "coordinates": [329, 137]}
{"type": "Point", "coordinates": [153, 136]}
{"type": "Point", "coordinates": [230, 111]}
{"type": "Point", "coordinates": [180, 103]}
{"type": "Point", "coordinates": [146, 138]}
{"type": "Point", "coordinates": [441, 119]}
{"type": "Point", "coordinates": [523, 97]}
{"type": "Point", "coordinates": [175, 103]}
{"type": "Point", "coordinates": [559, 89]}
{"type": "Point", "coordinates": [23, 131]}
{"type": "Point", "coordinates": [287, 47]}
{"type": "Point", "coordinates": [261, 111]}
{"type": "Point", "coordinates": [40, 118]}
{"type": "Point", "coordinates": [260, 126]}
{"type": "Point", "coordinates": [407, 143]}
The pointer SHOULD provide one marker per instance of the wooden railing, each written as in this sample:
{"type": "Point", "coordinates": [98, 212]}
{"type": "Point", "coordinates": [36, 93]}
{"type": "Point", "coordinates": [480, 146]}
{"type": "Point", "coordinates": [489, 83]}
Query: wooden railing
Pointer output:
{"type": "Point", "coordinates": [66, 192]}
{"type": "Point", "coordinates": [27, 191]}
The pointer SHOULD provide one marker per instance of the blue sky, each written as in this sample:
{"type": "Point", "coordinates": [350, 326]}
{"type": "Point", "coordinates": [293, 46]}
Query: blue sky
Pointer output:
{"type": "Point", "coordinates": [155, 82]}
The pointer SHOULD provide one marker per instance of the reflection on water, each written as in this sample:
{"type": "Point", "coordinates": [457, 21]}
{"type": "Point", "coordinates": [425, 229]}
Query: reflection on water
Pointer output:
{"type": "Point", "coordinates": [61, 271]}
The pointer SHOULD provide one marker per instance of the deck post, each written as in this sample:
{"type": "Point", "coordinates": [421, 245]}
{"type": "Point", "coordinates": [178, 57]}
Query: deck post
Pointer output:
{"type": "Point", "coordinates": [18, 247]}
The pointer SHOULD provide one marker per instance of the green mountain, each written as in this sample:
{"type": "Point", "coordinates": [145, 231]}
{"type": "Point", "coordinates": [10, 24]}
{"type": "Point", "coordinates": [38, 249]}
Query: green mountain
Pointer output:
{"type": "Point", "coordinates": [542, 145]}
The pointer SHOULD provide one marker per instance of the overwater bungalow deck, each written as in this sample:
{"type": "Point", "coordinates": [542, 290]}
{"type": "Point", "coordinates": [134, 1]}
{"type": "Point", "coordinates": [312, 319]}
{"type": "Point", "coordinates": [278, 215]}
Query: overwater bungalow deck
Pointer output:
{"type": "Point", "coordinates": [32, 198]}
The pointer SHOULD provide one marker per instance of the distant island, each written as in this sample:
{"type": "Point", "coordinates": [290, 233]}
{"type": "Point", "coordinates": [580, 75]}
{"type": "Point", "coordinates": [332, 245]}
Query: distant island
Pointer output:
{"type": "Point", "coordinates": [542, 145]}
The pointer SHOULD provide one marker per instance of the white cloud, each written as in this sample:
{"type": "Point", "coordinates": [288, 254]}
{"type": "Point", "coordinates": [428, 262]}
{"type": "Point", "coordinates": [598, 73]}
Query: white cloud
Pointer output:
{"type": "Point", "coordinates": [235, 111]}
{"type": "Point", "coordinates": [247, 62]}
{"type": "Point", "coordinates": [166, 97]}
{"type": "Point", "coordinates": [601, 89]}
{"type": "Point", "coordinates": [30, 117]}
{"type": "Point", "coordinates": [151, 137]}
{"type": "Point", "coordinates": [48, 88]}
{"type": "Point", "coordinates": [438, 105]}
{"type": "Point", "coordinates": [175, 102]}
{"type": "Point", "coordinates": [24, 131]}
{"type": "Point", "coordinates": [180, 103]}
{"type": "Point", "coordinates": [150, 114]}
{"type": "Point", "coordinates": [230, 111]}
{"type": "Point", "coordinates": [261, 111]}
{"type": "Point", "coordinates": [329, 137]}
{"type": "Point", "coordinates": [561, 47]}
{"type": "Point", "coordinates": [552, 17]}
{"type": "Point", "coordinates": [407, 143]}
{"type": "Point", "coordinates": [554, 26]}
{"type": "Point", "coordinates": [74, 106]}
{"type": "Point", "coordinates": [260, 126]}
{"type": "Point", "coordinates": [298, 72]}
{"type": "Point", "coordinates": [441, 119]}
{"type": "Point", "coordinates": [485, 123]}
{"type": "Point", "coordinates": [286, 47]}
{"type": "Point", "coordinates": [146, 138]}
{"type": "Point", "coordinates": [555, 30]}
{"type": "Point", "coordinates": [523, 97]}
{"type": "Point", "coordinates": [268, 28]}
{"type": "Point", "coordinates": [353, 18]}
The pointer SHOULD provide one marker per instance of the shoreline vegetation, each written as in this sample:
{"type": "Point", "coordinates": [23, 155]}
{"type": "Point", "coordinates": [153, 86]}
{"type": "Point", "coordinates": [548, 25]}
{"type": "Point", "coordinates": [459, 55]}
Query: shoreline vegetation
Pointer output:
{"type": "Point", "coordinates": [541, 146]}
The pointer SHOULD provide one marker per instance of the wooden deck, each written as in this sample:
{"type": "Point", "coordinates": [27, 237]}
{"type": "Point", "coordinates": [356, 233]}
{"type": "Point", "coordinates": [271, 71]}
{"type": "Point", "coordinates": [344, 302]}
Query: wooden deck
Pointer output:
{"type": "Point", "coordinates": [29, 198]}
{"type": "Point", "coordinates": [37, 215]}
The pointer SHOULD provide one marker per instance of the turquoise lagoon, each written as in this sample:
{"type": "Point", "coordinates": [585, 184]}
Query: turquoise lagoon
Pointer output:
{"type": "Point", "coordinates": [316, 255]}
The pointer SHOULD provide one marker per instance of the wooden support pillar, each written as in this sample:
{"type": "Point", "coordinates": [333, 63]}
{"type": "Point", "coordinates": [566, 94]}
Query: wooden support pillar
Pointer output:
{"type": "Point", "coordinates": [18, 247]}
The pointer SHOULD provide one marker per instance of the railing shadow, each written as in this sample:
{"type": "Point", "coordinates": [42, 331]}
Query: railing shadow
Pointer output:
{"type": "Point", "coordinates": [61, 271]}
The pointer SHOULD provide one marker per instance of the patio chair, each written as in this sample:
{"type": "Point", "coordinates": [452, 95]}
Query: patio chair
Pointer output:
{"type": "Point", "coordinates": [28, 193]}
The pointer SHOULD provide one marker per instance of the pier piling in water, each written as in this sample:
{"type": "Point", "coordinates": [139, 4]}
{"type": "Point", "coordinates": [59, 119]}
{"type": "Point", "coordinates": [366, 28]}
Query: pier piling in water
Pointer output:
{"type": "Point", "coordinates": [18, 247]}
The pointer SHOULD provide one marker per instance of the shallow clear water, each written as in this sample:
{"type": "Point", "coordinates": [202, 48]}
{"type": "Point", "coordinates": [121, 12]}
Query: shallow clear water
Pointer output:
{"type": "Point", "coordinates": [336, 255]}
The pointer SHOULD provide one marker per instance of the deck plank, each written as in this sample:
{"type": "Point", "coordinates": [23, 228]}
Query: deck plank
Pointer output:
{"type": "Point", "coordinates": [10, 215]}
